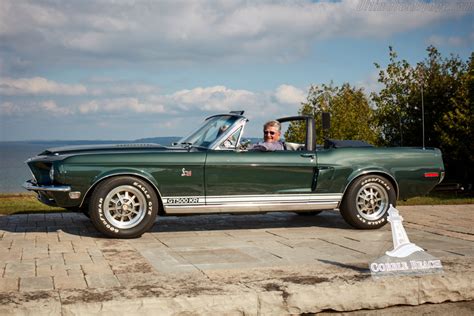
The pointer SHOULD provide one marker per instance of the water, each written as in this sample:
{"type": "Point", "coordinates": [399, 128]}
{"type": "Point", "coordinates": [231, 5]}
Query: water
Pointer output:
{"type": "Point", "coordinates": [14, 171]}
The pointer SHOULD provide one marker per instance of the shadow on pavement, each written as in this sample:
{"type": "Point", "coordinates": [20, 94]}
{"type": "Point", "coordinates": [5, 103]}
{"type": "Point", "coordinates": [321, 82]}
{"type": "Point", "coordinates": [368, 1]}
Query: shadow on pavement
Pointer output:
{"type": "Point", "coordinates": [79, 224]}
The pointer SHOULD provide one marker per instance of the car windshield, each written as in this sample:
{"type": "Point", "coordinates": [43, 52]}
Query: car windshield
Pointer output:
{"type": "Point", "coordinates": [207, 133]}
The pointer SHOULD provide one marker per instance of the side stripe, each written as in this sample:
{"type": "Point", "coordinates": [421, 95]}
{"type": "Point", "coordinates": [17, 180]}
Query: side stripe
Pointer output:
{"type": "Point", "coordinates": [244, 199]}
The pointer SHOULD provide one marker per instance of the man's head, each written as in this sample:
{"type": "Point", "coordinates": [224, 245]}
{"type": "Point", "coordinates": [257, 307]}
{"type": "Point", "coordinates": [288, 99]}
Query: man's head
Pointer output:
{"type": "Point", "coordinates": [271, 131]}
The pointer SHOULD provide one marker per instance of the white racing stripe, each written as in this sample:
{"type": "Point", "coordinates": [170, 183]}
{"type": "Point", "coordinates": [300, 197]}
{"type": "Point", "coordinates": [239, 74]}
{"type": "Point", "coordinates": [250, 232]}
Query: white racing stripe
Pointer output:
{"type": "Point", "coordinates": [251, 203]}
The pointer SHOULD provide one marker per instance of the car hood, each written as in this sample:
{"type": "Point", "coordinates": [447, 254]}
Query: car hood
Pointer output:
{"type": "Point", "coordinates": [67, 150]}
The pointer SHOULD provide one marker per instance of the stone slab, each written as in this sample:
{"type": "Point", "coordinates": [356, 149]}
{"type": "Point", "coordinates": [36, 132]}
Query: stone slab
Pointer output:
{"type": "Point", "coordinates": [271, 264]}
{"type": "Point", "coordinates": [36, 284]}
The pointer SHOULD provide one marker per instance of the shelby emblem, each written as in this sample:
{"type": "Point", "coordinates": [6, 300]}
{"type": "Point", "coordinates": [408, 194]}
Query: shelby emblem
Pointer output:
{"type": "Point", "coordinates": [406, 257]}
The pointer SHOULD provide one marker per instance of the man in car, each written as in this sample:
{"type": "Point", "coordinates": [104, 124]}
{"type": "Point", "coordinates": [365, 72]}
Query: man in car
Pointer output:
{"type": "Point", "coordinates": [271, 138]}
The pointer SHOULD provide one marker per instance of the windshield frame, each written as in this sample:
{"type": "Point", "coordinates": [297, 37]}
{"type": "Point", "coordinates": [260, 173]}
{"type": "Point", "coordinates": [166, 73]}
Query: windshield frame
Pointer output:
{"type": "Point", "coordinates": [237, 121]}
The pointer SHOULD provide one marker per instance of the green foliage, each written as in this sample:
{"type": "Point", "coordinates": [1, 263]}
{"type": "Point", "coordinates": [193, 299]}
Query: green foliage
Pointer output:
{"type": "Point", "coordinates": [351, 115]}
{"type": "Point", "coordinates": [445, 86]}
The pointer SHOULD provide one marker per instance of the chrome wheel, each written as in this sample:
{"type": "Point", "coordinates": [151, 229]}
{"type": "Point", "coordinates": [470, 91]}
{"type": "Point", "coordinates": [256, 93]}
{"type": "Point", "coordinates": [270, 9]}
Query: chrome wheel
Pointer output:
{"type": "Point", "coordinates": [372, 201]}
{"type": "Point", "coordinates": [125, 206]}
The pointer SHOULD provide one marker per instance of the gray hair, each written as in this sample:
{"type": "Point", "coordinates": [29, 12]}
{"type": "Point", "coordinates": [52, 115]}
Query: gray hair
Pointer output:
{"type": "Point", "coordinates": [272, 124]}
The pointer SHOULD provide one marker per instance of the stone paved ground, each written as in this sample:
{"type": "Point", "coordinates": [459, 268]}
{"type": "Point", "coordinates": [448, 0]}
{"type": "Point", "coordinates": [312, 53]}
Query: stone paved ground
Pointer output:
{"type": "Point", "coordinates": [205, 263]}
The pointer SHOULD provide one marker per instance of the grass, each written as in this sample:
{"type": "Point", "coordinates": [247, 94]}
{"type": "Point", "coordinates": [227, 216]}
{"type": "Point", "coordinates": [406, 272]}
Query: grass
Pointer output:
{"type": "Point", "coordinates": [438, 199]}
{"type": "Point", "coordinates": [24, 203]}
{"type": "Point", "coordinates": [27, 203]}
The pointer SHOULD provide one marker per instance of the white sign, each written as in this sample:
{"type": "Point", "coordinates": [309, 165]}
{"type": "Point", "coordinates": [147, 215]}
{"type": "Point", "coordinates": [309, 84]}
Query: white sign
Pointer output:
{"type": "Point", "coordinates": [405, 257]}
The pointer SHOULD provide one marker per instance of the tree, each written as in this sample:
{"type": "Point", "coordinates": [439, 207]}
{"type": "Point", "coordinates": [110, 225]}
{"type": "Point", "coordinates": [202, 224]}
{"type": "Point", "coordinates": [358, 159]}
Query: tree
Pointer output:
{"type": "Point", "coordinates": [351, 115]}
{"type": "Point", "coordinates": [456, 126]}
{"type": "Point", "coordinates": [442, 87]}
{"type": "Point", "coordinates": [393, 101]}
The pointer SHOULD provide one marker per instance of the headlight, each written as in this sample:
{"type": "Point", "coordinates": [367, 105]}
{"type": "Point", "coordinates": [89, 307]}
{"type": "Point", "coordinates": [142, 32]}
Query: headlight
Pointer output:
{"type": "Point", "coordinates": [51, 173]}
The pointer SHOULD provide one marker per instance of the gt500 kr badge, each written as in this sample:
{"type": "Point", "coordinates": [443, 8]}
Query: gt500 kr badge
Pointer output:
{"type": "Point", "coordinates": [182, 200]}
{"type": "Point", "coordinates": [186, 173]}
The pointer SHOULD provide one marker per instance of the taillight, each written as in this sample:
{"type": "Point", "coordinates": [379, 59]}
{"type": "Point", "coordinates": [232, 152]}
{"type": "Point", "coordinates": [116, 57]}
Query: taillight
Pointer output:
{"type": "Point", "coordinates": [431, 174]}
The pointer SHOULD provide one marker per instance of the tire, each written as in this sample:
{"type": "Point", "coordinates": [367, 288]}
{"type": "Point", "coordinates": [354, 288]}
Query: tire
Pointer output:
{"type": "Point", "coordinates": [312, 213]}
{"type": "Point", "coordinates": [365, 204]}
{"type": "Point", "coordinates": [123, 207]}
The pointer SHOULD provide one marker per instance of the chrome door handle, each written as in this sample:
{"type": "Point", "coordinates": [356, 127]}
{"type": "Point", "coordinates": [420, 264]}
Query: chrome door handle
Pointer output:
{"type": "Point", "coordinates": [312, 156]}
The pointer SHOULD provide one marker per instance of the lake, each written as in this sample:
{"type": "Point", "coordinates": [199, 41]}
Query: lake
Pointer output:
{"type": "Point", "coordinates": [14, 171]}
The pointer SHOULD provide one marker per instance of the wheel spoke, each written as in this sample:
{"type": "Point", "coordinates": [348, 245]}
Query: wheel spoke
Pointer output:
{"type": "Point", "coordinates": [121, 198]}
{"type": "Point", "coordinates": [371, 202]}
{"type": "Point", "coordinates": [125, 206]}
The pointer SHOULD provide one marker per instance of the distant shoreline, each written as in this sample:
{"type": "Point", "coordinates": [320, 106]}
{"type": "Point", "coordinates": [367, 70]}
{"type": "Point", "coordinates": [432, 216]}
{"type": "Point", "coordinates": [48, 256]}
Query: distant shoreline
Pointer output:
{"type": "Point", "coordinates": [159, 140]}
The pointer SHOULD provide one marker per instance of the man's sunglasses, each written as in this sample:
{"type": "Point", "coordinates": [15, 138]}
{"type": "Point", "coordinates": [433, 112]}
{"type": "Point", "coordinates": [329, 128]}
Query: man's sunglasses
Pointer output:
{"type": "Point", "coordinates": [269, 132]}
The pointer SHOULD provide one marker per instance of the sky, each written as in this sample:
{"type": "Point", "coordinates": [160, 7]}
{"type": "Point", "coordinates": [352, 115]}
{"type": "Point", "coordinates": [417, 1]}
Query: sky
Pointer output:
{"type": "Point", "coordinates": [124, 70]}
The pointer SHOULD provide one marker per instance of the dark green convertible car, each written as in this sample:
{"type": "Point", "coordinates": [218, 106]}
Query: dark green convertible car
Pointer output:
{"type": "Point", "coordinates": [123, 188]}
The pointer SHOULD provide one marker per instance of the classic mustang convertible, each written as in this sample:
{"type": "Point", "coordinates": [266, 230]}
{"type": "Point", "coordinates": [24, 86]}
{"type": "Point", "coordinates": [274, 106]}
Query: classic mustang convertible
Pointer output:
{"type": "Point", "coordinates": [122, 188]}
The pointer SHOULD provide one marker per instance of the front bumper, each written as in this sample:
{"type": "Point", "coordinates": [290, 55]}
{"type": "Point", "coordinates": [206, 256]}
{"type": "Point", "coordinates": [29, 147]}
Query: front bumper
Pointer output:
{"type": "Point", "coordinates": [52, 195]}
{"type": "Point", "coordinates": [31, 186]}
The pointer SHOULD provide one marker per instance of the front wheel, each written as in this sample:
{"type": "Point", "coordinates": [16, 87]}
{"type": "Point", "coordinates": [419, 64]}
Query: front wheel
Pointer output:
{"type": "Point", "coordinates": [123, 207]}
{"type": "Point", "coordinates": [365, 204]}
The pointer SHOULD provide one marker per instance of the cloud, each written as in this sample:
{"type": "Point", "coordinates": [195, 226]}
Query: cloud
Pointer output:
{"type": "Point", "coordinates": [38, 86]}
{"type": "Point", "coordinates": [51, 107]}
{"type": "Point", "coordinates": [120, 105]}
{"type": "Point", "coordinates": [27, 95]}
{"type": "Point", "coordinates": [166, 32]}
{"type": "Point", "coordinates": [457, 41]}
{"type": "Point", "coordinates": [288, 94]}
{"type": "Point", "coordinates": [43, 86]}
{"type": "Point", "coordinates": [217, 98]}
{"type": "Point", "coordinates": [121, 88]}
{"type": "Point", "coordinates": [371, 82]}
{"type": "Point", "coordinates": [9, 108]}
{"type": "Point", "coordinates": [27, 108]}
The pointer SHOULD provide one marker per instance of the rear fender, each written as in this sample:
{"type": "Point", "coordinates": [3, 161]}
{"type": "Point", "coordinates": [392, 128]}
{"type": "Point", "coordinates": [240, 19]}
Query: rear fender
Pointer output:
{"type": "Point", "coordinates": [372, 171]}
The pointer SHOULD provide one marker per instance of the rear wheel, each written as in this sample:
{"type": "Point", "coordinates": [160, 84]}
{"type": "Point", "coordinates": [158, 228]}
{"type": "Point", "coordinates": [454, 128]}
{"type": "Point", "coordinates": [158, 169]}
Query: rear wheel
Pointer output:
{"type": "Point", "coordinates": [123, 207]}
{"type": "Point", "coordinates": [365, 204]}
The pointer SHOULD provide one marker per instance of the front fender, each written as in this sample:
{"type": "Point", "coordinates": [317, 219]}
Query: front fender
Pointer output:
{"type": "Point", "coordinates": [122, 172]}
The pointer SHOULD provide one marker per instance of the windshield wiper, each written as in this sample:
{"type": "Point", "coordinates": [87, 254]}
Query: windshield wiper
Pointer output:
{"type": "Point", "coordinates": [189, 145]}
{"type": "Point", "coordinates": [186, 144]}
{"type": "Point", "coordinates": [197, 146]}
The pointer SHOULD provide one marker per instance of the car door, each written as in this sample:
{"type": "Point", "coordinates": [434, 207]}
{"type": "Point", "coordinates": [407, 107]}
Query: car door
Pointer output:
{"type": "Point", "coordinates": [233, 177]}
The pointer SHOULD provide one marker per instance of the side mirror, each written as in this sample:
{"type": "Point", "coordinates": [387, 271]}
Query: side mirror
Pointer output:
{"type": "Point", "coordinates": [244, 144]}
{"type": "Point", "coordinates": [326, 122]}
